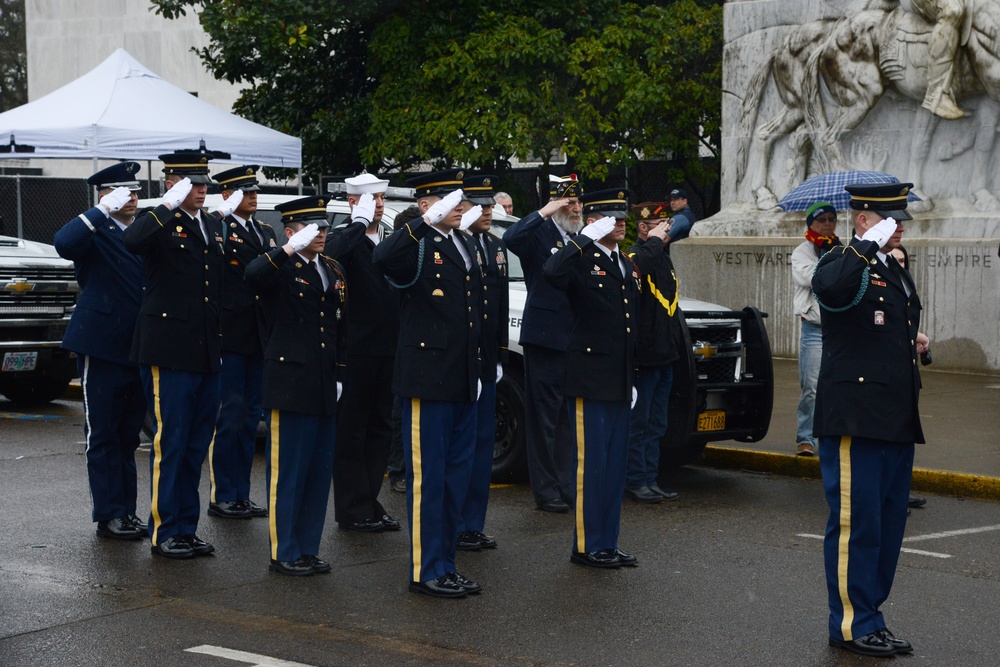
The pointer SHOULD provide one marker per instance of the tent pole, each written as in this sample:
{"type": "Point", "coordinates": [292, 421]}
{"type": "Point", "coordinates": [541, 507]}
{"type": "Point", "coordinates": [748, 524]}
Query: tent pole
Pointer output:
{"type": "Point", "coordinates": [94, 190]}
{"type": "Point", "coordinates": [300, 180]}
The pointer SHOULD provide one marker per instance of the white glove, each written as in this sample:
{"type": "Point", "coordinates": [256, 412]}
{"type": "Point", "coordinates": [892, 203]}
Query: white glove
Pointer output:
{"type": "Point", "coordinates": [881, 232]}
{"type": "Point", "coordinates": [635, 397]}
{"type": "Point", "coordinates": [499, 372]}
{"type": "Point", "coordinates": [598, 229]}
{"type": "Point", "coordinates": [442, 207]}
{"type": "Point", "coordinates": [114, 200]}
{"type": "Point", "coordinates": [364, 210]}
{"type": "Point", "coordinates": [479, 389]}
{"type": "Point", "coordinates": [302, 238]}
{"type": "Point", "coordinates": [471, 216]}
{"type": "Point", "coordinates": [229, 205]}
{"type": "Point", "coordinates": [340, 390]}
{"type": "Point", "coordinates": [177, 193]}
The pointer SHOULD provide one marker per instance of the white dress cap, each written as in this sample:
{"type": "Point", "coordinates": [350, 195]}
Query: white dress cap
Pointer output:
{"type": "Point", "coordinates": [365, 182]}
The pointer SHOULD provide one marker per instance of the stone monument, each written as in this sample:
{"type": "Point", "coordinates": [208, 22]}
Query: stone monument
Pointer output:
{"type": "Point", "coordinates": [907, 87]}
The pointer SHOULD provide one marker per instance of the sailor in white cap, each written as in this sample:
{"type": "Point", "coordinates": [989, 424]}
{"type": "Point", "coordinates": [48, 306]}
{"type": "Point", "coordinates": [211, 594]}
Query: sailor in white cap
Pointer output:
{"type": "Point", "coordinates": [364, 422]}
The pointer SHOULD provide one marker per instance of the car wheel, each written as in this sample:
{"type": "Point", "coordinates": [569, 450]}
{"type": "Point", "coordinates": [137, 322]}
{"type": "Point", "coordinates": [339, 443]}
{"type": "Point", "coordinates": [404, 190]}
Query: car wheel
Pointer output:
{"type": "Point", "coordinates": [35, 392]}
{"type": "Point", "coordinates": [509, 457]}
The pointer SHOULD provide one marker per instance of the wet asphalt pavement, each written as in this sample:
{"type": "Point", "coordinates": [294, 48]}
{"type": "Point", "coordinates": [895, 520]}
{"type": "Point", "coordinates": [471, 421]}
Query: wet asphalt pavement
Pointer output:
{"type": "Point", "coordinates": [728, 575]}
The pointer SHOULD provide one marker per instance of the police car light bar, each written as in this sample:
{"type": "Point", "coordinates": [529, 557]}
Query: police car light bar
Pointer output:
{"type": "Point", "coordinates": [391, 191]}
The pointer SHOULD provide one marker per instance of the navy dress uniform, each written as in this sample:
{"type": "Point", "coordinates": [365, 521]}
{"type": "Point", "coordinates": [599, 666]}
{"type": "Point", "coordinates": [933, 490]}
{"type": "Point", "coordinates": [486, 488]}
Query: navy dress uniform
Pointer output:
{"type": "Point", "coordinates": [302, 304]}
{"type": "Point", "coordinates": [177, 346]}
{"type": "Point", "coordinates": [100, 332]}
{"type": "Point", "coordinates": [603, 289]}
{"type": "Point", "coordinates": [436, 378]}
{"type": "Point", "coordinates": [364, 420]}
{"type": "Point", "coordinates": [492, 257]}
{"type": "Point", "coordinates": [230, 456]}
{"type": "Point", "coordinates": [866, 421]}
{"type": "Point", "coordinates": [546, 325]}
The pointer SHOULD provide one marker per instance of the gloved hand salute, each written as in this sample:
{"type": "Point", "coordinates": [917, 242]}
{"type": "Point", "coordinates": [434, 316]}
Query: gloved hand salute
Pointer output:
{"type": "Point", "coordinates": [599, 228]}
{"type": "Point", "coordinates": [178, 193]}
{"type": "Point", "coordinates": [115, 200]}
{"type": "Point", "coordinates": [470, 217]}
{"type": "Point", "coordinates": [881, 232]}
{"type": "Point", "coordinates": [228, 206]}
{"type": "Point", "coordinates": [442, 207]}
{"type": "Point", "coordinates": [302, 238]}
{"type": "Point", "coordinates": [364, 210]}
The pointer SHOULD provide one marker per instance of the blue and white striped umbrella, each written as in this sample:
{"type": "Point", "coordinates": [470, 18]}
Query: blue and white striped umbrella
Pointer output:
{"type": "Point", "coordinates": [830, 188]}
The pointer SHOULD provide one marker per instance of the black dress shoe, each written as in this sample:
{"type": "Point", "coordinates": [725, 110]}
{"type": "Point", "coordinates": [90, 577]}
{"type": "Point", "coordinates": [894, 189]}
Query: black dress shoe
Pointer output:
{"type": "Point", "coordinates": [229, 509]}
{"type": "Point", "coordinates": [172, 547]}
{"type": "Point", "coordinates": [468, 585]}
{"type": "Point", "coordinates": [485, 541]}
{"type": "Point", "coordinates": [628, 560]}
{"type": "Point", "coordinates": [667, 495]}
{"type": "Point", "coordinates": [138, 523]}
{"type": "Point", "coordinates": [871, 644]}
{"type": "Point", "coordinates": [119, 529]}
{"type": "Point", "coordinates": [556, 505]}
{"type": "Point", "coordinates": [467, 541]}
{"type": "Point", "coordinates": [254, 509]}
{"type": "Point", "coordinates": [389, 523]}
{"type": "Point", "coordinates": [300, 567]}
{"type": "Point", "coordinates": [901, 645]}
{"type": "Point", "coordinates": [916, 501]}
{"type": "Point", "coordinates": [318, 566]}
{"type": "Point", "coordinates": [602, 558]}
{"type": "Point", "coordinates": [198, 545]}
{"type": "Point", "coordinates": [643, 494]}
{"type": "Point", "coordinates": [366, 526]}
{"type": "Point", "coordinates": [442, 587]}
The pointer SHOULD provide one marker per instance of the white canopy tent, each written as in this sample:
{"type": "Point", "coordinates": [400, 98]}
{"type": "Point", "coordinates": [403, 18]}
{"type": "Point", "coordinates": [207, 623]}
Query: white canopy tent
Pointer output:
{"type": "Point", "coordinates": [121, 110]}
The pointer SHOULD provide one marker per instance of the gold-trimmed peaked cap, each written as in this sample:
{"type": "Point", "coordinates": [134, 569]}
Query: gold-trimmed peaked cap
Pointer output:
{"type": "Point", "coordinates": [121, 175]}
{"type": "Point", "coordinates": [239, 178]}
{"type": "Point", "coordinates": [650, 210]}
{"type": "Point", "coordinates": [437, 183]}
{"type": "Point", "coordinates": [478, 188]}
{"type": "Point", "coordinates": [562, 187]}
{"type": "Point", "coordinates": [613, 202]}
{"type": "Point", "coordinates": [188, 164]}
{"type": "Point", "coordinates": [886, 199]}
{"type": "Point", "coordinates": [305, 210]}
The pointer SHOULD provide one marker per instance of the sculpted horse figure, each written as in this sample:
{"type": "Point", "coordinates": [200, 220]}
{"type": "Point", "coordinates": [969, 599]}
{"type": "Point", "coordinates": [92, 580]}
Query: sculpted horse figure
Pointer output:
{"type": "Point", "coordinates": [830, 73]}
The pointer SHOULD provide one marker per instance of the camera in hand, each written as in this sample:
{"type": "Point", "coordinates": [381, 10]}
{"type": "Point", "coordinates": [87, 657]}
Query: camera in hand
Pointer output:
{"type": "Point", "coordinates": [925, 358]}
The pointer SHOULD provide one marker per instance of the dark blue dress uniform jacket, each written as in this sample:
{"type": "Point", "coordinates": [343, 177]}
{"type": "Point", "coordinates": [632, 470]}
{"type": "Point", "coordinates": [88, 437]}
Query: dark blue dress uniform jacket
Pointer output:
{"type": "Point", "coordinates": [659, 329]}
{"type": "Point", "coordinates": [178, 325]}
{"type": "Point", "coordinates": [110, 277]}
{"type": "Point", "coordinates": [868, 379]}
{"type": "Point", "coordinates": [495, 307]}
{"type": "Point", "coordinates": [600, 358]}
{"type": "Point", "coordinates": [547, 319]}
{"type": "Point", "coordinates": [302, 333]}
{"type": "Point", "coordinates": [238, 314]}
{"type": "Point", "coordinates": [438, 354]}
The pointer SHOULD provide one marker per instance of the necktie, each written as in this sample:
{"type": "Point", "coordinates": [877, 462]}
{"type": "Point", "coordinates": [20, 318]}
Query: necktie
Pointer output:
{"type": "Point", "coordinates": [481, 247]}
{"type": "Point", "coordinates": [314, 275]}
{"type": "Point", "coordinates": [252, 224]}
{"type": "Point", "coordinates": [614, 261]}
{"type": "Point", "coordinates": [462, 250]}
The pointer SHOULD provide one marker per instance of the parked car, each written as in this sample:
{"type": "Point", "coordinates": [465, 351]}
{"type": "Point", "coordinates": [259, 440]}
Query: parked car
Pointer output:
{"type": "Point", "coordinates": [38, 292]}
{"type": "Point", "coordinates": [723, 386]}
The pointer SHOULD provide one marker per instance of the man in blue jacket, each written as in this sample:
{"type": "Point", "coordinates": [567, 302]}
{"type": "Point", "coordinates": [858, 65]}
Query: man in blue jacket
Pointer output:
{"type": "Point", "coordinates": [100, 332]}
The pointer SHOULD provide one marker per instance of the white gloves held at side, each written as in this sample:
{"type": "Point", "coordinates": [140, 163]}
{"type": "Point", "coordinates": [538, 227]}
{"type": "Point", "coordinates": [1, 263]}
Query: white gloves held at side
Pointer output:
{"type": "Point", "coordinates": [442, 207]}
{"type": "Point", "coordinates": [470, 216]}
{"type": "Point", "coordinates": [364, 210]}
{"type": "Point", "coordinates": [881, 232]}
{"type": "Point", "coordinates": [499, 372]}
{"type": "Point", "coordinates": [177, 193]}
{"type": "Point", "coordinates": [302, 238]}
{"type": "Point", "coordinates": [340, 390]}
{"type": "Point", "coordinates": [598, 229]}
{"type": "Point", "coordinates": [635, 397]}
{"type": "Point", "coordinates": [228, 206]}
{"type": "Point", "coordinates": [116, 199]}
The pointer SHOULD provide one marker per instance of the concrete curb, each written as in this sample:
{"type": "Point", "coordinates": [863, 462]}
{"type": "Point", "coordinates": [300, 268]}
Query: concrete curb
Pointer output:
{"type": "Point", "coordinates": [930, 481]}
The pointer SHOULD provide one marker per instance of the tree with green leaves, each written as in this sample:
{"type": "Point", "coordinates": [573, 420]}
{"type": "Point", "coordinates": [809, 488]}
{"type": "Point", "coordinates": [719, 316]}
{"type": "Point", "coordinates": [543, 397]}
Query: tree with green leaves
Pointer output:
{"type": "Point", "coordinates": [390, 84]}
{"type": "Point", "coordinates": [13, 55]}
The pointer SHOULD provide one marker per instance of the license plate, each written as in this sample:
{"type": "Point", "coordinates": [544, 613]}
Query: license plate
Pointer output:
{"type": "Point", "coordinates": [19, 361]}
{"type": "Point", "coordinates": [712, 420]}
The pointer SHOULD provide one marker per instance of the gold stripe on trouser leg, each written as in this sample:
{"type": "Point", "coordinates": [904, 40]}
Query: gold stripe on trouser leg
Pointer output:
{"type": "Point", "coordinates": [581, 536]}
{"type": "Point", "coordinates": [843, 547]}
{"type": "Point", "coordinates": [154, 502]}
{"type": "Point", "coordinates": [415, 466]}
{"type": "Point", "coordinates": [272, 492]}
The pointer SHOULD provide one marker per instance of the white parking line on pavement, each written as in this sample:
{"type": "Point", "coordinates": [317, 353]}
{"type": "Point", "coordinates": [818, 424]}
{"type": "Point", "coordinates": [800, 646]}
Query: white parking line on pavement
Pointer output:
{"type": "Point", "coordinates": [254, 659]}
{"type": "Point", "coordinates": [918, 552]}
{"type": "Point", "coordinates": [951, 533]}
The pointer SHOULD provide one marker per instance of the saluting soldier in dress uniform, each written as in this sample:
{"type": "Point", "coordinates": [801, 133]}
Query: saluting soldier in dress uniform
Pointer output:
{"type": "Point", "coordinates": [364, 422]}
{"type": "Point", "coordinates": [230, 457]}
{"type": "Point", "coordinates": [603, 290]}
{"type": "Point", "coordinates": [302, 297]}
{"type": "Point", "coordinates": [492, 256]}
{"type": "Point", "coordinates": [436, 374]}
{"type": "Point", "coordinates": [177, 346]}
{"type": "Point", "coordinates": [545, 332]}
{"type": "Point", "coordinates": [100, 332]}
{"type": "Point", "coordinates": [866, 417]}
